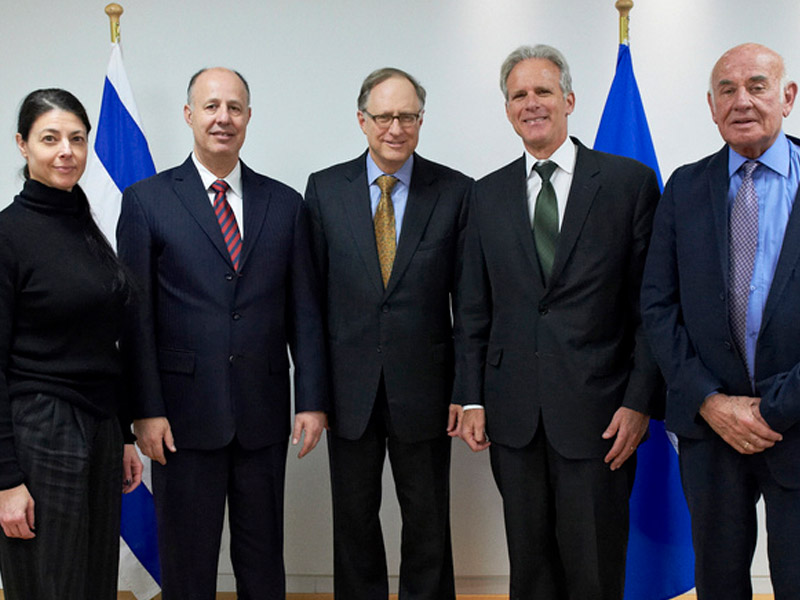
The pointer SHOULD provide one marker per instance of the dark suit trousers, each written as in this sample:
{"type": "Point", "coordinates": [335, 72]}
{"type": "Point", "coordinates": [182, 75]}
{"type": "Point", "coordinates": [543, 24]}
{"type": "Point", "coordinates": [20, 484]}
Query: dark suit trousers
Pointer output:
{"type": "Point", "coordinates": [566, 522]}
{"type": "Point", "coordinates": [422, 478]}
{"type": "Point", "coordinates": [190, 492]}
{"type": "Point", "coordinates": [72, 461]}
{"type": "Point", "coordinates": [722, 488]}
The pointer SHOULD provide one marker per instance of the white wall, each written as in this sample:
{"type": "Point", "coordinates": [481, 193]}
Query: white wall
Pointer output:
{"type": "Point", "coordinates": [305, 60]}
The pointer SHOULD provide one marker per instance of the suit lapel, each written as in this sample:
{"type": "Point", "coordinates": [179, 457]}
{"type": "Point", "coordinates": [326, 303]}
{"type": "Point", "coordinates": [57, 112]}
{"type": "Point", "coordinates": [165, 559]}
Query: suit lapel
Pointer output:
{"type": "Point", "coordinates": [787, 262]}
{"type": "Point", "coordinates": [717, 181]}
{"type": "Point", "coordinates": [359, 214]}
{"type": "Point", "coordinates": [585, 183]}
{"type": "Point", "coordinates": [190, 191]}
{"type": "Point", "coordinates": [255, 202]}
{"type": "Point", "coordinates": [419, 206]}
{"type": "Point", "coordinates": [515, 194]}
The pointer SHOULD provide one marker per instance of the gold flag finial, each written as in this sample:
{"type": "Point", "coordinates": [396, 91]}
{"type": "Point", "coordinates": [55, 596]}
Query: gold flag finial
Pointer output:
{"type": "Point", "coordinates": [624, 7]}
{"type": "Point", "coordinates": [113, 11]}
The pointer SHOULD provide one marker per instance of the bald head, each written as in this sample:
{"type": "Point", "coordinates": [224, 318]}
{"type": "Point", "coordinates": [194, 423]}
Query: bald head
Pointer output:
{"type": "Point", "coordinates": [204, 70]}
{"type": "Point", "coordinates": [751, 52]}
{"type": "Point", "coordinates": [749, 97]}
{"type": "Point", "coordinates": [218, 111]}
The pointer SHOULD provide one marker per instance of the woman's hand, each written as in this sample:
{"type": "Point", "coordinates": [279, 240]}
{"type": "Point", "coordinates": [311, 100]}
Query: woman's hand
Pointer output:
{"type": "Point", "coordinates": [131, 469]}
{"type": "Point", "coordinates": [16, 512]}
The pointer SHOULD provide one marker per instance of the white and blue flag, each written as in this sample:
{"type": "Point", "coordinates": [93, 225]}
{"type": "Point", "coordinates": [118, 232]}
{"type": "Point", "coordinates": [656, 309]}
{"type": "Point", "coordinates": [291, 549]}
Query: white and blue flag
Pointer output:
{"type": "Point", "coordinates": [121, 157]}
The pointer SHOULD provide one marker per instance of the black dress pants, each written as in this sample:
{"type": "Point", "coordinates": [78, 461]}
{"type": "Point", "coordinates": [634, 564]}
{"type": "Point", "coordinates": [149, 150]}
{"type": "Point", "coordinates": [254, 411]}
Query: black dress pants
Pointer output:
{"type": "Point", "coordinates": [421, 473]}
{"type": "Point", "coordinates": [190, 492]}
{"type": "Point", "coordinates": [722, 488]}
{"type": "Point", "coordinates": [72, 461]}
{"type": "Point", "coordinates": [566, 522]}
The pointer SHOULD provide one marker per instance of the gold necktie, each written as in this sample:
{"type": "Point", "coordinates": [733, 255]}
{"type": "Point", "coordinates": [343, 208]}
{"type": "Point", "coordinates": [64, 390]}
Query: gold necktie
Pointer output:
{"type": "Point", "coordinates": [385, 233]}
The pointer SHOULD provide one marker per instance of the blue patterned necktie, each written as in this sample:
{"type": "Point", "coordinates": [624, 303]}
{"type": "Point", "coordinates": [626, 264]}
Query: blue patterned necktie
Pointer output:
{"type": "Point", "coordinates": [742, 244]}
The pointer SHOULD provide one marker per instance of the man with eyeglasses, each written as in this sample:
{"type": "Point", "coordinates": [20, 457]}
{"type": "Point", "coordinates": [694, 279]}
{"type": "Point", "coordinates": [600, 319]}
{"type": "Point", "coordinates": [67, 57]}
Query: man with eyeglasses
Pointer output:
{"type": "Point", "coordinates": [387, 234]}
{"type": "Point", "coordinates": [556, 367]}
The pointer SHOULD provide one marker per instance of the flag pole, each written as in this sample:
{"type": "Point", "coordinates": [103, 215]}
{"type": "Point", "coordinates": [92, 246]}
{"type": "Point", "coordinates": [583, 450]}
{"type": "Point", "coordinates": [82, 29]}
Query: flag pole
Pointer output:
{"type": "Point", "coordinates": [624, 7]}
{"type": "Point", "coordinates": [114, 11]}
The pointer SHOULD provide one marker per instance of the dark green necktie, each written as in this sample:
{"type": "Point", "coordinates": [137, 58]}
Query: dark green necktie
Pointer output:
{"type": "Point", "coordinates": [545, 218]}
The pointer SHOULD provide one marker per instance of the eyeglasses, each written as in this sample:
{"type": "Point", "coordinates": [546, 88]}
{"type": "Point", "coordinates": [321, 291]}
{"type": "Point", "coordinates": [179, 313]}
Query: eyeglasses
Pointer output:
{"type": "Point", "coordinates": [385, 121]}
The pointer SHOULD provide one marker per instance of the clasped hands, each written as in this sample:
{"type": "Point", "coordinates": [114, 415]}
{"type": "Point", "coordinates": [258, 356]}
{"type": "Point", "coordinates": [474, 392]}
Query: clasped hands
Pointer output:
{"type": "Point", "coordinates": [738, 421]}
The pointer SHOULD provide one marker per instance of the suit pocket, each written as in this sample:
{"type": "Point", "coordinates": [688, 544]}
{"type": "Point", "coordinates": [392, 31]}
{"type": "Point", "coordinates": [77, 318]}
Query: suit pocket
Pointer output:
{"type": "Point", "coordinates": [176, 361]}
{"type": "Point", "coordinates": [434, 243]}
{"type": "Point", "coordinates": [494, 355]}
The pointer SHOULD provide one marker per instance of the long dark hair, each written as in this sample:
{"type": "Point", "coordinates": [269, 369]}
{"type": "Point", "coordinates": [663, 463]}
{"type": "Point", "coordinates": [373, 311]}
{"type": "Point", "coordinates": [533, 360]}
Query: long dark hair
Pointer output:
{"type": "Point", "coordinates": [34, 106]}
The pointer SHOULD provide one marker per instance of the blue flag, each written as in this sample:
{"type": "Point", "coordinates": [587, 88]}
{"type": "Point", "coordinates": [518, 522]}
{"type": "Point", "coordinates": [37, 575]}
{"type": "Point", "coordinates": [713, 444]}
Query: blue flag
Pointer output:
{"type": "Point", "coordinates": [660, 556]}
{"type": "Point", "coordinates": [121, 157]}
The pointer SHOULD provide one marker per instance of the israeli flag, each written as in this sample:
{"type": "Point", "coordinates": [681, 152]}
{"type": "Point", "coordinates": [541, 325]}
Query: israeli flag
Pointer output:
{"type": "Point", "coordinates": [121, 157]}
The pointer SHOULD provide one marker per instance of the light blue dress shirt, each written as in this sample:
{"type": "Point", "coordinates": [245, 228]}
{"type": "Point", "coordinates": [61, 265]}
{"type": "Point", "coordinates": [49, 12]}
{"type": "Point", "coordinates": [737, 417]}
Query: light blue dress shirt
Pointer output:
{"type": "Point", "coordinates": [399, 192]}
{"type": "Point", "coordinates": [776, 181]}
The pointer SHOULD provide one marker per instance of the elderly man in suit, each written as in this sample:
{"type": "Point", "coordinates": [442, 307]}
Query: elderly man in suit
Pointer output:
{"type": "Point", "coordinates": [552, 361]}
{"type": "Point", "coordinates": [388, 232]}
{"type": "Point", "coordinates": [222, 259]}
{"type": "Point", "coordinates": [720, 303]}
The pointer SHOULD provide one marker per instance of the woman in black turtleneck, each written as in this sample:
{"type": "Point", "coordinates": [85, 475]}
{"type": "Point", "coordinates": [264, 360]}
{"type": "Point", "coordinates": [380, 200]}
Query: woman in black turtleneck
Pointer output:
{"type": "Point", "coordinates": [62, 293]}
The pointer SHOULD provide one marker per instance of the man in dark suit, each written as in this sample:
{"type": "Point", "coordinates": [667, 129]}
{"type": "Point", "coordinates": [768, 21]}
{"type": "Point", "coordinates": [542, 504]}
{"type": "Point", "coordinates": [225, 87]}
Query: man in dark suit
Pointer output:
{"type": "Point", "coordinates": [551, 359]}
{"type": "Point", "coordinates": [222, 259]}
{"type": "Point", "coordinates": [720, 304]}
{"type": "Point", "coordinates": [388, 238]}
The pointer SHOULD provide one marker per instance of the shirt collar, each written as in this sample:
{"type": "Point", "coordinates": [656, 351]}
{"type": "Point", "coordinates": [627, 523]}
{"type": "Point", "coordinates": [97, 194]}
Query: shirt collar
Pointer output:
{"type": "Point", "coordinates": [233, 179]}
{"type": "Point", "coordinates": [777, 157]}
{"type": "Point", "coordinates": [564, 157]}
{"type": "Point", "coordinates": [403, 173]}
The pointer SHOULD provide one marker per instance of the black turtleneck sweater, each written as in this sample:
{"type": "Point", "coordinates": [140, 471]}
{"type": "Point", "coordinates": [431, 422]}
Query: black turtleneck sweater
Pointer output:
{"type": "Point", "coordinates": [59, 318]}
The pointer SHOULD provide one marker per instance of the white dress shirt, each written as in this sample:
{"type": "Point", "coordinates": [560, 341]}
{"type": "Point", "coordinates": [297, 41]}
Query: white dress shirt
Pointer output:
{"type": "Point", "coordinates": [234, 195]}
{"type": "Point", "coordinates": [564, 157]}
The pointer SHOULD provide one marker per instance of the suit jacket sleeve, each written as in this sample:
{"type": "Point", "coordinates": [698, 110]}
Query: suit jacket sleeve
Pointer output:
{"type": "Point", "coordinates": [688, 379]}
{"type": "Point", "coordinates": [645, 391]}
{"type": "Point", "coordinates": [138, 344]}
{"type": "Point", "coordinates": [473, 313]}
{"type": "Point", "coordinates": [319, 245]}
{"type": "Point", "coordinates": [305, 327]}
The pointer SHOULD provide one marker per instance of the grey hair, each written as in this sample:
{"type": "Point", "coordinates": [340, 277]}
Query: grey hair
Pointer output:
{"type": "Point", "coordinates": [379, 76]}
{"type": "Point", "coordinates": [538, 51]}
{"type": "Point", "coordinates": [193, 80]}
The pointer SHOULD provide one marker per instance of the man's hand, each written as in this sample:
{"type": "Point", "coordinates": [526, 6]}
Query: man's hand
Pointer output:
{"type": "Point", "coordinates": [629, 426]}
{"type": "Point", "coordinates": [313, 422]}
{"type": "Point", "coordinates": [473, 429]}
{"type": "Point", "coordinates": [16, 512]}
{"type": "Point", "coordinates": [738, 421]}
{"type": "Point", "coordinates": [131, 469]}
{"type": "Point", "coordinates": [152, 435]}
{"type": "Point", "coordinates": [454, 419]}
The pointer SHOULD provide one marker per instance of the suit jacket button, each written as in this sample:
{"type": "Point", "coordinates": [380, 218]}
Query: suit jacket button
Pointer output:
{"type": "Point", "coordinates": [543, 310]}
{"type": "Point", "coordinates": [728, 346]}
{"type": "Point", "coordinates": [230, 359]}
{"type": "Point", "coordinates": [379, 349]}
{"type": "Point", "coordinates": [229, 276]}
{"type": "Point", "coordinates": [236, 316]}
{"type": "Point", "coordinates": [385, 308]}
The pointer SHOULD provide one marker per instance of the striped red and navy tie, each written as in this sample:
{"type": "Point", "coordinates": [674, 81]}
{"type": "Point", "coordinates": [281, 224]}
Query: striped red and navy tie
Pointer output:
{"type": "Point", "coordinates": [227, 221]}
